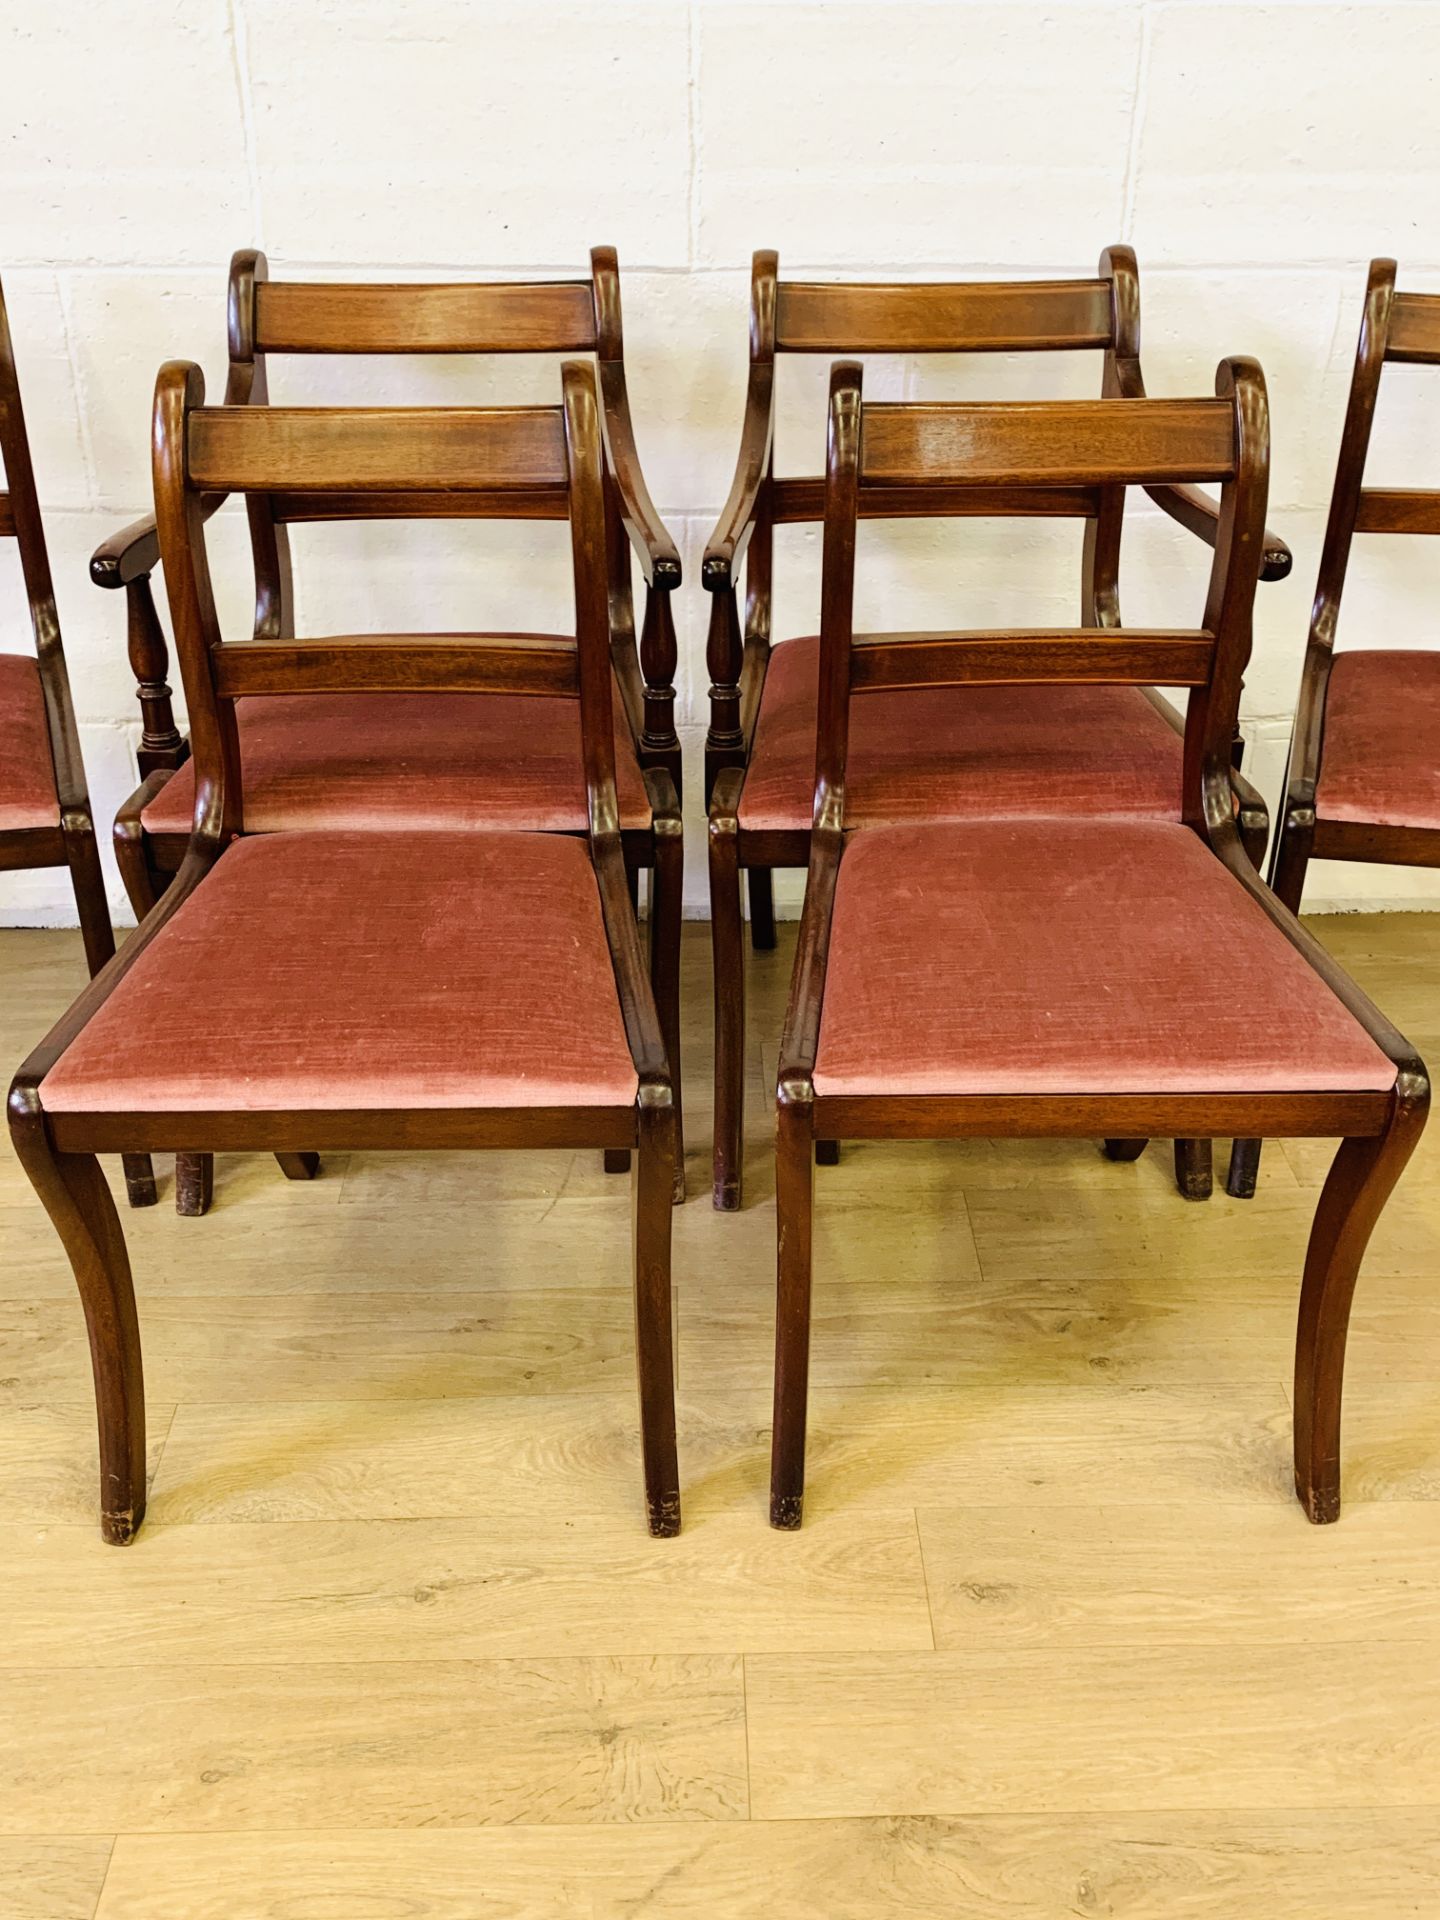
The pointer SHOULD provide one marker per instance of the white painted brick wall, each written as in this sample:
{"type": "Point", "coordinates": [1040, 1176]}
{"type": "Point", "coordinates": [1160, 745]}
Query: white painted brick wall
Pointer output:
{"type": "Point", "coordinates": [1256, 156]}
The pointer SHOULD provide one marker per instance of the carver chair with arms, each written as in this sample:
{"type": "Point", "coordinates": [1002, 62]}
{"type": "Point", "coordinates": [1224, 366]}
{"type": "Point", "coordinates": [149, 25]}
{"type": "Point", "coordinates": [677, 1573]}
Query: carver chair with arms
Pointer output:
{"type": "Point", "coordinates": [428, 762]}
{"type": "Point", "coordinates": [961, 752]}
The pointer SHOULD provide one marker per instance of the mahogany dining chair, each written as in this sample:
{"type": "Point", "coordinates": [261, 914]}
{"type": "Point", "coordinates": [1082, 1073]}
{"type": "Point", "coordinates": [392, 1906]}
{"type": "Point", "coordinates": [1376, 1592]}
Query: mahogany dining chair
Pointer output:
{"type": "Point", "coordinates": [1031, 978]}
{"type": "Point", "coordinates": [948, 753]}
{"type": "Point", "coordinates": [45, 818]}
{"type": "Point", "coordinates": [1363, 781]}
{"type": "Point", "coordinates": [423, 763]}
{"type": "Point", "coordinates": [358, 989]}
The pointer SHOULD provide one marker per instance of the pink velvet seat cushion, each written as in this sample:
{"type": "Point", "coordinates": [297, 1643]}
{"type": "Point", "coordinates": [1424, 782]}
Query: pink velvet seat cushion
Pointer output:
{"type": "Point", "coordinates": [410, 761]}
{"type": "Point", "coordinates": [960, 753]}
{"type": "Point", "coordinates": [27, 773]}
{"type": "Point", "coordinates": [1381, 754]}
{"type": "Point", "coordinates": [1019, 957]}
{"type": "Point", "coordinates": [338, 970]}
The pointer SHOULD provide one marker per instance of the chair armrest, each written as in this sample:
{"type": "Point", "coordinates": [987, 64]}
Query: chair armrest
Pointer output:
{"type": "Point", "coordinates": [1196, 511]}
{"type": "Point", "coordinates": [135, 551]}
{"type": "Point", "coordinates": [726, 545]}
{"type": "Point", "coordinates": [127, 555]}
{"type": "Point", "coordinates": [659, 556]}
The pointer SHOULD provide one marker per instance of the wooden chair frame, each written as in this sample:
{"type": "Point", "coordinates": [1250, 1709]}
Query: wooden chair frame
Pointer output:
{"type": "Point", "coordinates": [874, 460]}
{"type": "Point", "coordinates": [537, 459]}
{"type": "Point", "coordinates": [71, 842]}
{"type": "Point", "coordinates": [268, 317]}
{"type": "Point", "coordinates": [1394, 327]}
{"type": "Point", "coordinates": [1101, 314]}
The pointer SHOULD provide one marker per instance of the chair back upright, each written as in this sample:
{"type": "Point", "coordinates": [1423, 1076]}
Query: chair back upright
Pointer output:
{"type": "Point", "coordinates": [926, 460]}
{"type": "Point", "coordinates": [20, 521]}
{"type": "Point", "coordinates": [472, 463]}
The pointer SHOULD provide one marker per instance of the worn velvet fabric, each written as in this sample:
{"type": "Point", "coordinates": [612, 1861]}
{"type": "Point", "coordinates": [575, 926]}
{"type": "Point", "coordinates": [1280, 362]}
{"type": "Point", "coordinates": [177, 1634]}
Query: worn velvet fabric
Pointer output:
{"type": "Point", "coordinates": [27, 773]}
{"type": "Point", "coordinates": [344, 970]}
{"type": "Point", "coordinates": [960, 753]}
{"type": "Point", "coordinates": [1054, 957]}
{"type": "Point", "coordinates": [410, 761]}
{"type": "Point", "coordinates": [1381, 750]}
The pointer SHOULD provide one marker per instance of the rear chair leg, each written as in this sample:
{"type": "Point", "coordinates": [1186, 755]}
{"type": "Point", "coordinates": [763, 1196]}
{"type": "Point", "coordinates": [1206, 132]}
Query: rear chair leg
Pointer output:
{"type": "Point", "coordinates": [794, 1213]}
{"type": "Point", "coordinates": [652, 1190]}
{"type": "Point", "coordinates": [194, 1183]}
{"type": "Point", "coordinates": [1194, 1174]}
{"type": "Point", "coordinates": [666, 900]}
{"type": "Point", "coordinates": [1360, 1181]}
{"type": "Point", "coordinates": [762, 910]}
{"type": "Point", "coordinates": [139, 1179]}
{"type": "Point", "coordinates": [299, 1166]}
{"type": "Point", "coordinates": [1125, 1149]}
{"type": "Point", "coordinates": [76, 1197]}
{"type": "Point", "coordinates": [727, 946]}
{"type": "Point", "coordinates": [617, 1160]}
{"type": "Point", "coordinates": [827, 1153]}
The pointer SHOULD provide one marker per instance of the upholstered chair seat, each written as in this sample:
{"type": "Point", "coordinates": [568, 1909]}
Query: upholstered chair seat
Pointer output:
{"type": "Point", "coordinates": [1011, 957]}
{"type": "Point", "coordinates": [1380, 754]}
{"type": "Point", "coordinates": [27, 776]}
{"type": "Point", "coordinates": [960, 752]}
{"type": "Point", "coordinates": [340, 971]}
{"type": "Point", "coordinates": [411, 761]}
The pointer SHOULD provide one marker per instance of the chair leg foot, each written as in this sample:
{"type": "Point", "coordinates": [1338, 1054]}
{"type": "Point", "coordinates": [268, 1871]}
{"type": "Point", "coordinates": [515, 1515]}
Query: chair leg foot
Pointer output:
{"type": "Point", "coordinates": [762, 910]}
{"type": "Point", "coordinates": [194, 1183]}
{"type": "Point", "coordinates": [827, 1153]}
{"type": "Point", "coordinates": [1244, 1169]}
{"type": "Point", "coordinates": [617, 1160]}
{"type": "Point", "coordinates": [77, 1198]}
{"type": "Point", "coordinates": [140, 1188]}
{"type": "Point", "coordinates": [299, 1166]}
{"type": "Point", "coordinates": [653, 1187]}
{"type": "Point", "coordinates": [1124, 1149]}
{"type": "Point", "coordinates": [1359, 1182]}
{"type": "Point", "coordinates": [1194, 1171]}
{"type": "Point", "coordinates": [794, 1216]}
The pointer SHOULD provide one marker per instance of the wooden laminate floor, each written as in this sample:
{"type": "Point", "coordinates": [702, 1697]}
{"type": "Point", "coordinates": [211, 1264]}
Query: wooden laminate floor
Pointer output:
{"type": "Point", "coordinates": [1055, 1639]}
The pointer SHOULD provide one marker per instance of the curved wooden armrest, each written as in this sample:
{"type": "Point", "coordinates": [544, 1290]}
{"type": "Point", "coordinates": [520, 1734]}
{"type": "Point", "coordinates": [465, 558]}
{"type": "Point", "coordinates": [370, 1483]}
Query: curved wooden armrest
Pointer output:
{"type": "Point", "coordinates": [135, 550]}
{"type": "Point", "coordinates": [659, 556]}
{"type": "Point", "coordinates": [726, 545]}
{"type": "Point", "coordinates": [1196, 511]}
{"type": "Point", "coordinates": [127, 555]}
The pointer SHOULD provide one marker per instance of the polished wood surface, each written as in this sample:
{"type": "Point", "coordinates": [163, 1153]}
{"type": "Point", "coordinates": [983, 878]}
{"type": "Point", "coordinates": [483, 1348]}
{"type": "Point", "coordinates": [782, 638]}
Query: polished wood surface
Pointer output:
{"type": "Point", "coordinates": [346, 1669]}
{"type": "Point", "coordinates": [559, 448]}
{"type": "Point", "coordinates": [788, 317]}
{"type": "Point", "coordinates": [1379, 1128]}
{"type": "Point", "coordinates": [266, 317]}
{"type": "Point", "coordinates": [1394, 327]}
